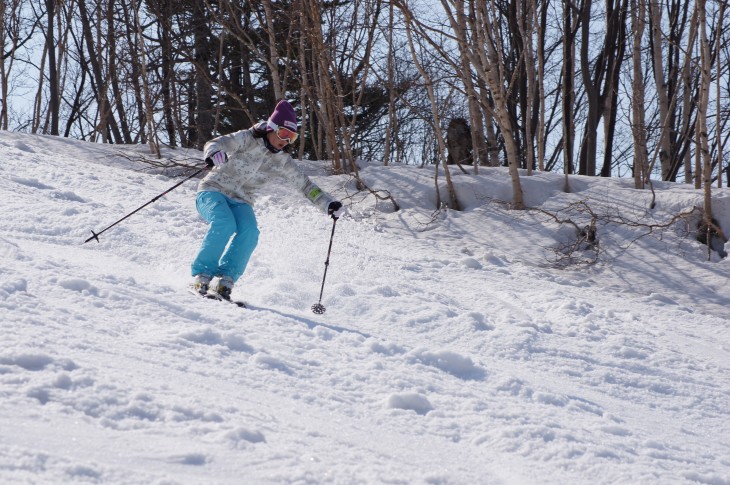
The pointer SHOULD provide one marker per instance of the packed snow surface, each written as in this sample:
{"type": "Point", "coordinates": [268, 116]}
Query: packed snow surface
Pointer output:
{"type": "Point", "coordinates": [457, 347]}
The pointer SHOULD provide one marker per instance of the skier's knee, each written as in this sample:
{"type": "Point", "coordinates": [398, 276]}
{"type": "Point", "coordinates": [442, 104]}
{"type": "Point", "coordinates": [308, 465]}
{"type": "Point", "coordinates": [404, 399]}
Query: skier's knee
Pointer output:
{"type": "Point", "coordinates": [225, 228]}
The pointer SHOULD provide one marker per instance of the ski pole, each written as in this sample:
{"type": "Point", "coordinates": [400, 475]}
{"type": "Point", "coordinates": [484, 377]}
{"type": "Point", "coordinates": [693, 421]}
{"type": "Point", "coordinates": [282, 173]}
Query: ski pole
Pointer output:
{"type": "Point", "coordinates": [318, 308]}
{"type": "Point", "coordinates": [97, 234]}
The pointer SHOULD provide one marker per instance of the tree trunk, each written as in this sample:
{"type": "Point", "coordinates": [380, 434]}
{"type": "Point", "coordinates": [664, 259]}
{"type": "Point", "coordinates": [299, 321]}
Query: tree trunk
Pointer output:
{"type": "Point", "coordinates": [307, 94]}
{"type": "Point", "coordinates": [655, 16]}
{"type": "Point", "coordinates": [718, 108]}
{"type": "Point", "coordinates": [489, 124]}
{"type": "Point", "coordinates": [322, 81]}
{"type": "Point", "coordinates": [616, 37]}
{"type": "Point", "coordinates": [510, 145]}
{"type": "Point", "coordinates": [568, 90]}
{"type": "Point", "coordinates": [8, 10]}
{"type": "Point", "coordinates": [526, 27]}
{"type": "Point", "coordinates": [541, 24]}
{"type": "Point", "coordinates": [688, 103]}
{"type": "Point", "coordinates": [167, 64]}
{"type": "Point", "coordinates": [38, 102]}
{"type": "Point", "coordinates": [273, 54]}
{"type": "Point", "coordinates": [152, 141]}
{"type": "Point", "coordinates": [114, 77]}
{"type": "Point", "coordinates": [453, 200]}
{"type": "Point", "coordinates": [588, 151]}
{"type": "Point", "coordinates": [99, 84]}
{"type": "Point", "coordinates": [203, 90]}
{"type": "Point", "coordinates": [392, 121]}
{"type": "Point", "coordinates": [703, 140]}
{"type": "Point", "coordinates": [4, 72]}
{"type": "Point", "coordinates": [53, 94]}
{"type": "Point", "coordinates": [136, 73]}
{"type": "Point", "coordinates": [76, 105]}
{"type": "Point", "coordinates": [496, 81]}
{"type": "Point", "coordinates": [638, 126]}
{"type": "Point", "coordinates": [476, 124]}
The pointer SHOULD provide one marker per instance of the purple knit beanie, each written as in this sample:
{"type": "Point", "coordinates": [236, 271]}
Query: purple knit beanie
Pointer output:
{"type": "Point", "coordinates": [284, 116]}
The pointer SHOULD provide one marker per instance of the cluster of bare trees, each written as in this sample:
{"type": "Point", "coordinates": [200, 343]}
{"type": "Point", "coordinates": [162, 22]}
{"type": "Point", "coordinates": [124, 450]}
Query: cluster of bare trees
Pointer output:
{"type": "Point", "coordinates": [612, 88]}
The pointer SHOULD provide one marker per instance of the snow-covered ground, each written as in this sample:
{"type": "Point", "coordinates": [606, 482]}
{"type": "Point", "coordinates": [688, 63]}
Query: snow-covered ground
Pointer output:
{"type": "Point", "coordinates": [457, 347]}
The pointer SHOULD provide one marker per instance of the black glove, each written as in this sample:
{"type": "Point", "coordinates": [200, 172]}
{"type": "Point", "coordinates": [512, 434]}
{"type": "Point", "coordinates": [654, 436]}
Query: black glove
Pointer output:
{"type": "Point", "coordinates": [335, 209]}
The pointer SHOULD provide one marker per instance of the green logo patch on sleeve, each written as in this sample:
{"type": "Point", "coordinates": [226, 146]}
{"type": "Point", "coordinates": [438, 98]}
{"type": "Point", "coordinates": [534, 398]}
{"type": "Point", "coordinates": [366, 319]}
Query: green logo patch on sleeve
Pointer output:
{"type": "Point", "coordinates": [313, 193]}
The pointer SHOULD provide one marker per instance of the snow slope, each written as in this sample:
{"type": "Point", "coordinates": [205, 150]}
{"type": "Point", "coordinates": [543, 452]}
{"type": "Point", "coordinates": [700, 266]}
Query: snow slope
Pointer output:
{"type": "Point", "coordinates": [454, 349]}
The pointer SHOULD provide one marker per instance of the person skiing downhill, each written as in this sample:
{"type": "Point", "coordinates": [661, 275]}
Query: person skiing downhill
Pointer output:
{"type": "Point", "coordinates": [241, 164]}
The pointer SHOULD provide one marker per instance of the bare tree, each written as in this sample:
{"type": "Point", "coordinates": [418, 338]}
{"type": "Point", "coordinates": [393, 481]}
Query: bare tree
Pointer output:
{"type": "Point", "coordinates": [324, 91]}
{"type": "Point", "coordinates": [613, 55]}
{"type": "Point", "coordinates": [453, 199]}
{"type": "Point", "coordinates": [638, 127]}
{"type": "Point", "coordinates": [53, 101]}
{"type": "Point", "coordinates": [203, 89]}
{"type": "Point", "coordinates": [273, 60]}
{"type": "Point", "coordinates": [15, 32]}
{"type": "Point", "coordinates": [541, 27]}
{"type": "Point", "coordinates": [484, 50]}
{"type": "Point", "coordinates": [526, 28]}
{"type": "Point", "coordinates": [676, 88]}
{"type": "Point", "coordinates": [4, 71]}
{"type": "Point", "coordinates": [153, 144]}
{"type": "Point", "coordinates": [570, 24]}
{"type": "Point", "coordinates": [718, 91]}
{"type": "Point", "coordinates": [479, 145]}
{"type": "Point", "coordinates": [655, 15]}
{"type": "Point", "coordinates": [163, 11]}
{"type": "Point", "coordinates": [491, 68]}
{"type": "Point", "coordinates": [94, 64]}
{"type": "Point", "coordinates": [704, 97]}
{"type": "Point", "coordinates": [392, 128]}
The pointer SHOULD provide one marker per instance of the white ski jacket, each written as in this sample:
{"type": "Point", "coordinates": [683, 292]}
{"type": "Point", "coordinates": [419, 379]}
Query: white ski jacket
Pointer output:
{"type": "Point", "coordinates": [250, 166]}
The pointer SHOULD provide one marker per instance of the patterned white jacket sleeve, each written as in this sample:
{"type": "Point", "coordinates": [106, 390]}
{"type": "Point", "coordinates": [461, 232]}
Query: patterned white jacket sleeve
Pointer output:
{"type": "Point", "coordinates": [251, 166]}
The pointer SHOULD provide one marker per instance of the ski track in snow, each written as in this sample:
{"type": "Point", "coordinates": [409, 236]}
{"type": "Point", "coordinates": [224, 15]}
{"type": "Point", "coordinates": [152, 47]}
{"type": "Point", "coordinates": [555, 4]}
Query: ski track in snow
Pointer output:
{"type": "Point", "coordinates": [450, 351]}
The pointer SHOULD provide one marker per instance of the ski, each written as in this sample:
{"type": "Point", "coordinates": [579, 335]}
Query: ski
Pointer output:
{"type": "Point", "coordinates": [215, 297]}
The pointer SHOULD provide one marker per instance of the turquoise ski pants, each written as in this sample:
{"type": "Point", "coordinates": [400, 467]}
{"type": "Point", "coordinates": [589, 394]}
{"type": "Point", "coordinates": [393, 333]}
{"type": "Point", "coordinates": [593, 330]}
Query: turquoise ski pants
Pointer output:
{"type": "Point", "coordinates": [231, 238]}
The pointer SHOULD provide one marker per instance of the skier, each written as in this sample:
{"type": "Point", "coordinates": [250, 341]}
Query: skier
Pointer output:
{"type": "Point", "coordinates": [241, 163]}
